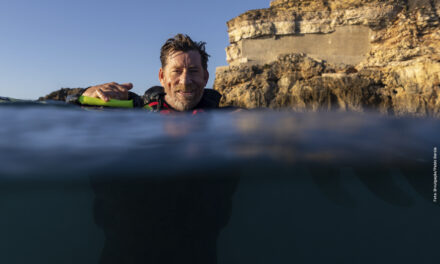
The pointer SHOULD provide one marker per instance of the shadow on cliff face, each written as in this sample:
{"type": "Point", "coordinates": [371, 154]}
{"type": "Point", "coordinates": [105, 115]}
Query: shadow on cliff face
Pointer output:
{"type": "Point", "coordinates": [335, 55]}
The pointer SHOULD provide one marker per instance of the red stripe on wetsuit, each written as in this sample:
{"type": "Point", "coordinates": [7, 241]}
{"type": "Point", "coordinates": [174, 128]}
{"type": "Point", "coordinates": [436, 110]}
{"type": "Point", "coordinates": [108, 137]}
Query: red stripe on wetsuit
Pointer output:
{"type": "Point", "coordinates": [169, 110]}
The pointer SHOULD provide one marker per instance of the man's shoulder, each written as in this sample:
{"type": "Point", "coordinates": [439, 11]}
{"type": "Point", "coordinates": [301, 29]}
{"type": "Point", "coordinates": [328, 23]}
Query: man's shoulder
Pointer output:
{"type": "Point", "coordinates": [154, 94]}
{"type": "Point", "coordinates": [211, 99]}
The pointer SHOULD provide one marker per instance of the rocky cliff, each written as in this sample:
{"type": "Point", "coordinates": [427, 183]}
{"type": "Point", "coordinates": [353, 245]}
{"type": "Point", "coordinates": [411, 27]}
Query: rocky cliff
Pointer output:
{"type": "Point", "coordinates": [335, 55]}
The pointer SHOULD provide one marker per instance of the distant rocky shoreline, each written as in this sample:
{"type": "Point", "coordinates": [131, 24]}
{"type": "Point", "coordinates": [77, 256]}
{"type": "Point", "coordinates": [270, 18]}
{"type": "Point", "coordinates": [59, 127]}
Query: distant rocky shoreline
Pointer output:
{"type": "Point", "coordinates": [61, 94]}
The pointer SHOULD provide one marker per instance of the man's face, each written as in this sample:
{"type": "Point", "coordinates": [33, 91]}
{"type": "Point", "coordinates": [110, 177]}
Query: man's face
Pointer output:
{"type": "Point", "coordinates": [184, 79]}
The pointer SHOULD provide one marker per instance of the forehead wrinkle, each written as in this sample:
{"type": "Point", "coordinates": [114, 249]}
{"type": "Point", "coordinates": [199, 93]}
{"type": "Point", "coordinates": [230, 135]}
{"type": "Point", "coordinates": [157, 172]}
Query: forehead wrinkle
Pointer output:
{"type": "Point", "coordinates": [186, 58]}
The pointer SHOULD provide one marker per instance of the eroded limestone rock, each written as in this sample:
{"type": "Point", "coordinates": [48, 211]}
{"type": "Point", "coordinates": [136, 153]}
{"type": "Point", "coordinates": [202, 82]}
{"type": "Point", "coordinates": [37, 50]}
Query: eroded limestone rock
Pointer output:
{"type": "Point", "coordinates": [291, 56]}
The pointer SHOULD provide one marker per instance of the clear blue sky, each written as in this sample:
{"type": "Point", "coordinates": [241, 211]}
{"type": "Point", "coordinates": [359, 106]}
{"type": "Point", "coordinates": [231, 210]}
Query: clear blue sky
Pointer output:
{"type": "Point", "coordinates": [49, 44]}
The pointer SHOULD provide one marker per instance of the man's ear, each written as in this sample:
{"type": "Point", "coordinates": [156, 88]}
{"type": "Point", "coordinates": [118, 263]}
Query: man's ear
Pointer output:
{"type": "Point", "coordinates": [206, 77]}
{"type": "Point", "coordinates": [161, 79]}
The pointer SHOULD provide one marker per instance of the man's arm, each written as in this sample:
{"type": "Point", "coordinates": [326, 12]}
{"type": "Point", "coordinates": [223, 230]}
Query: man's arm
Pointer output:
{"type": "Point", "coordinates": [109, 91]}
{"type": "Point", "coordinates": [104, 92]}
{"type": "Point", "coordinates": [116, 91]}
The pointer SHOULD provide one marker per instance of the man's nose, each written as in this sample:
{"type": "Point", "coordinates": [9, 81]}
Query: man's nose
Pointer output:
{"type": "Point", "coordinates": [185, 78]}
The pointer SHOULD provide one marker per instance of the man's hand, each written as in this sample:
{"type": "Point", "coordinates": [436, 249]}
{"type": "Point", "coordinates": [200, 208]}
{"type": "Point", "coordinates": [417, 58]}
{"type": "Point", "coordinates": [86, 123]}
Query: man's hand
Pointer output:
{"type": "Point", "coordinates": [109, 91]}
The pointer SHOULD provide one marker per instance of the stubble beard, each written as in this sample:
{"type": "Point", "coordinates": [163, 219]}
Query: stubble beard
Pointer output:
{"type": "Point", "coordinates": [180, 103]}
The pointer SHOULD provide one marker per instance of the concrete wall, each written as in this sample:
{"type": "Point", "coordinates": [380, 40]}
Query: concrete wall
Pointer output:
{"type": "Point", "coordinates": [348, 45]}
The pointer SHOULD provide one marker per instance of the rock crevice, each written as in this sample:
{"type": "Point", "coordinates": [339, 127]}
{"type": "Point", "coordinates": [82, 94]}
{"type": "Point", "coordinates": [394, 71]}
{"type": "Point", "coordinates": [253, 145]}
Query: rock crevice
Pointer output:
{"type": "Point", "coordinates": [335, 55]}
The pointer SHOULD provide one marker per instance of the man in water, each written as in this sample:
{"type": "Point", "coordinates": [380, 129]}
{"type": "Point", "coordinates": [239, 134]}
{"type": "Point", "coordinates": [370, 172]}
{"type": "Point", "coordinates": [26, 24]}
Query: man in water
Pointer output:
{"type": "Point", "coordinates": [165, 218]}
{"type": "Point", "coordinates": [183, 75]}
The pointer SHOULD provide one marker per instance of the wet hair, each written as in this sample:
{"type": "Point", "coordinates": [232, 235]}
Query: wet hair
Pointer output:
{"type": "Point", "coordinates": [183, 43]}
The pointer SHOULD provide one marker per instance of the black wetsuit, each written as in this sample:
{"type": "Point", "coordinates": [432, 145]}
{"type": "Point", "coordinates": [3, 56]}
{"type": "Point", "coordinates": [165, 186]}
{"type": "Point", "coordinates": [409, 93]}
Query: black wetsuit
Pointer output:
{"type": "Point", "coordinates": [161, 219]}
{"type": "Point", "coordinates": [153, 98]}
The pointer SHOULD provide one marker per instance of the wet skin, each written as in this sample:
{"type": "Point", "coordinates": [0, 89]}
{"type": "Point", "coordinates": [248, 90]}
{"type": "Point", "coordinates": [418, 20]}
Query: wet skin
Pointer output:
{"type": "Point", "coordinates": [183, 79]}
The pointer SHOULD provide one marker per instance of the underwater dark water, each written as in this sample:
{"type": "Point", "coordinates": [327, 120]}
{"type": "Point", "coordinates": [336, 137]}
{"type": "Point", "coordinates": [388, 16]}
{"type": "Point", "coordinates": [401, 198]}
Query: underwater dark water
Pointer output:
{"type": "Point", "coordinates": [90, 186]}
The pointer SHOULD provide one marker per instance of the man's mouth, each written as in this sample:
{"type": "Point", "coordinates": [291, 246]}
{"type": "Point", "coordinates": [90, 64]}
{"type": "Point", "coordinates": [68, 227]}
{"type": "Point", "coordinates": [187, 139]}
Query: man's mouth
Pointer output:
{"type": "Point", "coordinates": [186, 94]}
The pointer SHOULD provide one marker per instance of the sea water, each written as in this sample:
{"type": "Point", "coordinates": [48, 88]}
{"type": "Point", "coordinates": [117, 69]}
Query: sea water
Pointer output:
{"type": "Point", "coordinates": [115, 186]}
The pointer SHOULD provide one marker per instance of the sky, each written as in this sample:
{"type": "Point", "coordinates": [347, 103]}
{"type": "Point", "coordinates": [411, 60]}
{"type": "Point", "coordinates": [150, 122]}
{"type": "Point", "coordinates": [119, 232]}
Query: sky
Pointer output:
{"type": "Point", "coordinates": [46, 45]}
